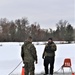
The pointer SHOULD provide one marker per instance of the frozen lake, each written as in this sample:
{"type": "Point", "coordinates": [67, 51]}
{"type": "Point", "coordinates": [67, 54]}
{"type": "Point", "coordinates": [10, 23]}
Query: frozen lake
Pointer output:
{"type": "Point", "coordinates": [10, 57]}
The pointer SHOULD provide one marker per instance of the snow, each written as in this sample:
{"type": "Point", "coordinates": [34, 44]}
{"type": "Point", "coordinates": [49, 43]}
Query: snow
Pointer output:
{"type": "Point", "coordinates": [10, 57]}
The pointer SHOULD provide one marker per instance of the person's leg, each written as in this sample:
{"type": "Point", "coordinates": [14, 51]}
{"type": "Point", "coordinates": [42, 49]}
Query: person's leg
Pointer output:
{"type": "Point", "coordinates": [52, 65]}
{"type": "Point", "coordinates": [46, 63]}
{"type": "Point", "coordinates": [26, 68]}
{"type": "Point", "coordinates": [31, 68]}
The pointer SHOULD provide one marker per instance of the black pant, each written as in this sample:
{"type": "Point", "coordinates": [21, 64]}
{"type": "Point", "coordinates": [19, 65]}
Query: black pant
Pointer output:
{"type": "Point", "coordinates": [47, 61]}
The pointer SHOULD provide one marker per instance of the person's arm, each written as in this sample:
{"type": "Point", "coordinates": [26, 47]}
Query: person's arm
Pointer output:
{"type": "Point", "coordinates": [54, 47]}
{"type": "Point", "coordinates": [33, 52]}
{"type": "Point", "coordinates": [43, 55]}
{"type": "Point", "coordinates": [22, 52]}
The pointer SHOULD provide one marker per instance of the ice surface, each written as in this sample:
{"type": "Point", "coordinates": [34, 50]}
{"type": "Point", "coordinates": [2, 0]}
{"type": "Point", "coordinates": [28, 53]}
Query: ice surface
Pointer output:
{"type": "Point", "coordinates": [10, 57]}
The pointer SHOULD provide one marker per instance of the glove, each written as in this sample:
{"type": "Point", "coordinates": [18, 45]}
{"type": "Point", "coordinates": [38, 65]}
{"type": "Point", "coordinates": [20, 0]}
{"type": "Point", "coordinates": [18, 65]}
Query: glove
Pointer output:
{"type": "Point", "coordinates": [36, 61]}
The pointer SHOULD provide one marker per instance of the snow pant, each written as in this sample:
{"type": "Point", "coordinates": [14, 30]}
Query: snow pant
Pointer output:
{"type": "Point", "coordinates": [29, 68]}
{"type": "Point", "coordinates": [49, 60]}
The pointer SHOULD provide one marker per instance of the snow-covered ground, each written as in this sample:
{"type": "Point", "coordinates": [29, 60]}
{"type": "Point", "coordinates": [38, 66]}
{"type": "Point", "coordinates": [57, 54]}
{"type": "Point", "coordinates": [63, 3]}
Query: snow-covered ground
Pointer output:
{"type": "Point", "coordinates": [10, 57]}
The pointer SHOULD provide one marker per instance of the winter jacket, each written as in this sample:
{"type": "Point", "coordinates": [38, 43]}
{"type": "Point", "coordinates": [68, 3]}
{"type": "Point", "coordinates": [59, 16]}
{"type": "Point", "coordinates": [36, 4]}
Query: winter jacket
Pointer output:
{"type": "Point", "coordinates": [49, 50]}
{"type": "Point", "coordinates": [28, 52]}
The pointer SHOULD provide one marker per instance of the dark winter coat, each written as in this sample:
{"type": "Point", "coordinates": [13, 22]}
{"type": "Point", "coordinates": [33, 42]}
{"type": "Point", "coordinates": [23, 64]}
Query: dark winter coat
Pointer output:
{"type": "Point", "coordinates": [28, 52]}
{"type": "Point", "coordinates": [49, 50]}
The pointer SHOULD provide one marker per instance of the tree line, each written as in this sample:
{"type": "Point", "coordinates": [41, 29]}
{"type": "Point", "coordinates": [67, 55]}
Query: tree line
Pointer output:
{"type": "Point", "coordinates": [20, 29]}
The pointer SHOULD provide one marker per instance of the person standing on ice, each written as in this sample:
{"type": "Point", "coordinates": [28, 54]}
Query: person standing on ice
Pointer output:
{"type": "Point", "coordinates": [49, 56]}
{"type": "Point", "coordinates": [29, 56]}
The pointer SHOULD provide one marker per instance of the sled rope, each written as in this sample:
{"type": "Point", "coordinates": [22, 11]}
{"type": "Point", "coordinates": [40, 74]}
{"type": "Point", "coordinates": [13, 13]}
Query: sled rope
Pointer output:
{"type": "Point", "coordinates": [14, 68]}
{"type": "Point", "coordinates": [57, 70]}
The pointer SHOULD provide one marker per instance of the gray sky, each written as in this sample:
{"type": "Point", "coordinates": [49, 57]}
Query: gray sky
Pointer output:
{"type": "Point", "coordinates": [45, 12]}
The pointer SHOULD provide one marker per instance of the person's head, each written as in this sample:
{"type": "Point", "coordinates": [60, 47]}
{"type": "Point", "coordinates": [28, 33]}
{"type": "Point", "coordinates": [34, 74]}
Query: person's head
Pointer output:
{"type": "Point", "coordinates": [29, 39]}
{"type": "Point", "coordinates": [50, 40]}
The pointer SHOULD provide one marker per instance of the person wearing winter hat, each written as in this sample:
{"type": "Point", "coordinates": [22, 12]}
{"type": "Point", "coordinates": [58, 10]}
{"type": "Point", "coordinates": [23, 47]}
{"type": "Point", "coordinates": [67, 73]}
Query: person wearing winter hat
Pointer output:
{"type": "Point", "coordinates": [29, 56]}
{"type": "Point", "coordinates": [49, 56]}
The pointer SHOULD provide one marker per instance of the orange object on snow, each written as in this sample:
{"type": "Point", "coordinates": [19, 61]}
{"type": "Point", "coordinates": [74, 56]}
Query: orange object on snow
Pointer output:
{"type": "Point", "coordinates": [73, 74]}
{"type": "Point", "coordinates": [67, 64]}
{"type": "Point", "coordinates": [23, 71]}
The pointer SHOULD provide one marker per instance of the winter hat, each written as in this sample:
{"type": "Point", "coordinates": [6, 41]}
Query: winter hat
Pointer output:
{"type": "Point", "coordinates": [50, 39]}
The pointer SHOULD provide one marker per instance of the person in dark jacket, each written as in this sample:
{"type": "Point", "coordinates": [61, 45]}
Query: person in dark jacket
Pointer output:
{"type": "Point", "coordinates": [49, 56]}
{"type": "Point", "coordinates": [29, 56]}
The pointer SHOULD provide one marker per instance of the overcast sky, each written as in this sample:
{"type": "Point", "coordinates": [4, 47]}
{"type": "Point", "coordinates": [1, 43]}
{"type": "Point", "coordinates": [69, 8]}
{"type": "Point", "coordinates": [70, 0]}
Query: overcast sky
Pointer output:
{"type": "Point", "coordinates": [45, 12]}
